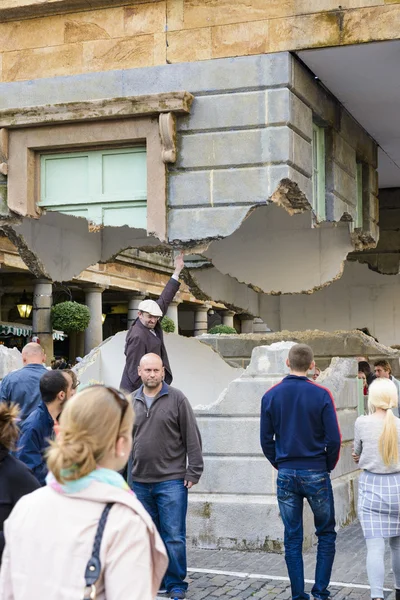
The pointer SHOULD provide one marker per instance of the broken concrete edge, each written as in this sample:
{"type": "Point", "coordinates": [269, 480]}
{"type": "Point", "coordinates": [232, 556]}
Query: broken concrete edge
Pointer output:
{"type": "Point", "coordinates": [289, 196]}
{"type": "Point", "coordinates": [30, 259]}
{"type": "Point", "coordinates": [369, 346]}
{"type": "Point", "coordinates": [197, 289]}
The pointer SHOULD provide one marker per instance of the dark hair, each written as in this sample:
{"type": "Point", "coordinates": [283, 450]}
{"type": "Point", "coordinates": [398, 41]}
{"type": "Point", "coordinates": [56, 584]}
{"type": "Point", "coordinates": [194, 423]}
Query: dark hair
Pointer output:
{"type": "Point", "coordinates": [364, 367]}
{"type": "Point", "coordinates": [9, 431]}
{"type": "Point", "coordinates": [385, 364]}
{"type": "Point", "coordinates": [51, 384]}
{"type": "Point", "coordinates": [300, 357]}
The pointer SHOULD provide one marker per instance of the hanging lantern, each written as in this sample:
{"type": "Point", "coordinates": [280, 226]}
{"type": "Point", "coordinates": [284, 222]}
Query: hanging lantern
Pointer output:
{"type": "Point", "coordinates": [24, 307]}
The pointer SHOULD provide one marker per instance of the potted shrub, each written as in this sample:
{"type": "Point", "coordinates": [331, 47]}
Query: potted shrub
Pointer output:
{"type": "Point", "coordinates": [70, 316]}
{"type": "Point", "coordinates": [167, 325]}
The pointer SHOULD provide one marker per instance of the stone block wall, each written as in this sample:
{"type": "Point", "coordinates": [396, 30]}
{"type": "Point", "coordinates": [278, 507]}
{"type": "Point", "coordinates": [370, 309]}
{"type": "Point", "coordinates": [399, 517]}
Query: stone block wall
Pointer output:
{"type": "Point", "coordinates": [244, 138]}
{"type": "Point", "coordinates": [246, 142]}
{"type": "Point", "coordinates": [234, 505]}
{"type": "Point", "coordinates": [42, 38]}
{"type": "Point", "coordinates": [385, 258]}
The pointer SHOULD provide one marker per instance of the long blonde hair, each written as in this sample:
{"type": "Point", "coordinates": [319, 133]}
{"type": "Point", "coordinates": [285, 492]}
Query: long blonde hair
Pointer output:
{"type": "Point", "coordinates": [382, 393]}
{"type": "Point", "coordinates": [90, 425]}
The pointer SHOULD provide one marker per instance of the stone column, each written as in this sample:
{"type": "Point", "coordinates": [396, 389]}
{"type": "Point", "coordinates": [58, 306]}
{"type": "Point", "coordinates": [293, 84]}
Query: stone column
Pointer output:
{"type": "Point", "coordinates": [172, 313]}
{"type": "Point", "coordinates": [133, 304]}
{"type": "Point", "coordinates": [227, 318]}
{"type": "Point", "coordinates": [259, 326]}
{"type": "Point", "coordinates": [94, 332]}
{"type": "Point", "coordinates": [200, 320]}
{"type": "Point", "coordinates": [41, 316]}
{"type": "Point", "coordinates": [246, 325]}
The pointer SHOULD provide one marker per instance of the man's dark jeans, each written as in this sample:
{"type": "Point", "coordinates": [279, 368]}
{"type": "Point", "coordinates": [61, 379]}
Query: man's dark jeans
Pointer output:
{"type": "Point", "coordinates": [293, 486]}
{"type": "Point", "coordinates": [166, 503]}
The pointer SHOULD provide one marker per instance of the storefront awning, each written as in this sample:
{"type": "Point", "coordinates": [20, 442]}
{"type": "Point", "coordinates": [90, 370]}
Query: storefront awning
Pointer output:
{"type": "Point", "coordinates": [26, 331]}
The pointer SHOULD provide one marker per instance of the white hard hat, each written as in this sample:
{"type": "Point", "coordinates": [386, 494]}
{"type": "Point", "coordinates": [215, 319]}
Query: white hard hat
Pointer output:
{"type": "Point", "coordinates": [151, 307]}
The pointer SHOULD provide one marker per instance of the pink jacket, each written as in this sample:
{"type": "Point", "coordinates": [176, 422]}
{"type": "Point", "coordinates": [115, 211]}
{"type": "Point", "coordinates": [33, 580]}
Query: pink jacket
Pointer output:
{"type": "Point", "coordinates": [49, 540]}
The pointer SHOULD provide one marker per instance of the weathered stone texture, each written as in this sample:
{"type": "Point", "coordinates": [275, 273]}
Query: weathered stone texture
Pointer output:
{"type": "Point", "coordinates": [196, 30]}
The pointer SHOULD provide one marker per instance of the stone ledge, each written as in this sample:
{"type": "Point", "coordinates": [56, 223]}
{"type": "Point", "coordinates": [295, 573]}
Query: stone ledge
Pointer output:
{"type": "Point", "coordinates": [96, 110]}
{"type": "Point", "coordinates": [29, 9]}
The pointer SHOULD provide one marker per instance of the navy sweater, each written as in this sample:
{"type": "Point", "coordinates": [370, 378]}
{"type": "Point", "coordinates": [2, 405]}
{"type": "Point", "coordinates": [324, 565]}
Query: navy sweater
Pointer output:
{"type": "Point", "coordinates": [299, 426]}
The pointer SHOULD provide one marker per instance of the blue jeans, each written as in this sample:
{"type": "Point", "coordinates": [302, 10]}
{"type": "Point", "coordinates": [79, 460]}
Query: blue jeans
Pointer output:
{"type": "Point", "coordinates": [293, 486]}
{"type": "Point", "coordinates": [166, 503]}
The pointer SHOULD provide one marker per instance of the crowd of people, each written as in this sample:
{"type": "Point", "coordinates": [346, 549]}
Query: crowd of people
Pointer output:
{"type": "Point", "coordinates": [96, 483]}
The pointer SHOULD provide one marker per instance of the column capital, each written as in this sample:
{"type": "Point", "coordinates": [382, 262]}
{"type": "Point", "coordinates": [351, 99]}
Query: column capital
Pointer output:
{"type": "Point", "coordinates": [229, 313]}
{"type": "Point", "coordinates": [202, 308]}
{"type": "Point", "coordinates": [43, 280]}
{"type": "Point", "coordinates": [175, 302]}
{"type": "Point", "coordinates": [93, 289]}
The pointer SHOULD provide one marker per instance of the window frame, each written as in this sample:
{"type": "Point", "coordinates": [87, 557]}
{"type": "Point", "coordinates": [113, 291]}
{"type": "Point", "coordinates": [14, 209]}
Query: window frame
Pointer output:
{"type": "Point", "coordinates": [318, 146]}
{"type": "Point", "coordinates": [358, 221]}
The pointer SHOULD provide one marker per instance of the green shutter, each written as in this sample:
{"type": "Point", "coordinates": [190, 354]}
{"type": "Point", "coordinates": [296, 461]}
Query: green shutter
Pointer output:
{"type": "Point", "coordinates": [107, 187]}
{"type": "Point", "coordinates": [318, 152]}
{"type": "Point", "coordinates": [359, 187]}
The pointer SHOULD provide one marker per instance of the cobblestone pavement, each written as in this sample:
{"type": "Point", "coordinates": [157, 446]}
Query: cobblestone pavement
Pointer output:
{"type": "Point", "coordinates": [245, 573]}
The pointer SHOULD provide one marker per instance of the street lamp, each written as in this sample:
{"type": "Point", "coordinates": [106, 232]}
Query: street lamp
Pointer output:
{"type": "Point", "coordinates": [24, 308]}
{"type": "Point", "coordinates": [103, 318]}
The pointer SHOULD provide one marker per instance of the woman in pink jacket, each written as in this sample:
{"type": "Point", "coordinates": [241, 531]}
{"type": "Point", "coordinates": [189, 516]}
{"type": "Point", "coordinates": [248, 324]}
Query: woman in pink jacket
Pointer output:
{"type": "Point", "coordinates": [50, 533]}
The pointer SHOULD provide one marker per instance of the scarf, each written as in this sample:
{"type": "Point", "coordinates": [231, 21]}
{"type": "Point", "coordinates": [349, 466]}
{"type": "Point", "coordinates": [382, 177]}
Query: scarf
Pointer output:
{"type": "Point", "coordinates": [100, 474]}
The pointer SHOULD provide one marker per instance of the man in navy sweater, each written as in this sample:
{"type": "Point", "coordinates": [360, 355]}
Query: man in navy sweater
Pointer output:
{"type": "Point", "coordinates": [301, 438]}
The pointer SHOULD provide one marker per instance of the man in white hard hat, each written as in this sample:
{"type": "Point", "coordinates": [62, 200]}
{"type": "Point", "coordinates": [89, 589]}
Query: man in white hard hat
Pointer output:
{"type": "Point", "coordinates": [145, 335]}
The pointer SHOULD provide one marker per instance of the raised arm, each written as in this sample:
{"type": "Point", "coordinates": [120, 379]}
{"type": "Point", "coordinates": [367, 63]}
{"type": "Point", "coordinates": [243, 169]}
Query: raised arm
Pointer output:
{"type": "Point", "coordinates": [173, 285]}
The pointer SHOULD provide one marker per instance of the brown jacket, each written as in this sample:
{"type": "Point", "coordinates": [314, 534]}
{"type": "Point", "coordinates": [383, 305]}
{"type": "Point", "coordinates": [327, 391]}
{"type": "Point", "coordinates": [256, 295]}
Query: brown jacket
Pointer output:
{"type": "Point", "coordinates": [49, 540]}
{"type": "Point", "coordinates": [140, 341]}
{"type": "Point", "coordinates": [166, 439]}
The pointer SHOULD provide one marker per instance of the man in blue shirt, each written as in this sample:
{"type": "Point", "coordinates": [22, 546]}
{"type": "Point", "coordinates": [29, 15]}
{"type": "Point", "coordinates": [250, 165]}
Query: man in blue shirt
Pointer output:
{"type": "Point", "coordinates": [301, 438]}
{"type": "Point", "coordinates": [38, 428]}
{"type": "Point", "coordinates": [22, 386]}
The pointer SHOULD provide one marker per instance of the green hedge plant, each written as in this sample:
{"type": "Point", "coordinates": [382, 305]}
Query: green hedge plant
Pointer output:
{"type": "Point", "coordinates": [167, 325]}
{"type": "Point", "coordinates": [222, 329]}
{"type": "Point", "coordinates": [70, 316]}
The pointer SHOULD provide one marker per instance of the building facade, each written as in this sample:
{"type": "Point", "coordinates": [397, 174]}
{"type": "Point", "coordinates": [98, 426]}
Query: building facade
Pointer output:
{"type": "Point", "coordinates": [250, 135]}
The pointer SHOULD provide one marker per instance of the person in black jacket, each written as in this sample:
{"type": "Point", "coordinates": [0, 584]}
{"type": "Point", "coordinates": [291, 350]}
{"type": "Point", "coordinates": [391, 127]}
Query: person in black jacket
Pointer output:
{"type": "Point", "coordinates": [145, 335]}
{"type": "Point", "coordinates": [16, 480]}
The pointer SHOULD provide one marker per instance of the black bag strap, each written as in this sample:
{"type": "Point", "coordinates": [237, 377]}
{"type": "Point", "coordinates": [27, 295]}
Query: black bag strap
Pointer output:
{"type": "Point", "coordinates": [93, 567]}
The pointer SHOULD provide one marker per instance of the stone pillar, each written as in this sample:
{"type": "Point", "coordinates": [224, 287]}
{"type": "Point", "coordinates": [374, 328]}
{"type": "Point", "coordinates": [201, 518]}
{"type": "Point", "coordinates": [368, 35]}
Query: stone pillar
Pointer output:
{"type": "Point", "coordinates": [172, 313]}
{"type": "Point", "coordinates": [133, 304]}
{"type": "Point", "coordinates": [200, 320]}
{"type": "Point", "coordinates": [227, 318]}
{"type": "Point", "coordinates": [259, 326]}
{"type": "Point", "coordinates": [246, 325]}
{"type": "Point", "coordinates": [94, 332]}
{"type": "Point", "coordinates": [41, 316]}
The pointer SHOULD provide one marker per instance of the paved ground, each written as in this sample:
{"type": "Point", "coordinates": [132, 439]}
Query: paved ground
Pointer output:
{"type": "Point", "coordinates": [263, 576]}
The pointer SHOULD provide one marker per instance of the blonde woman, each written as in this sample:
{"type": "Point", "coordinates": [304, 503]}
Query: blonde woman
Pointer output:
{"type": "Point", "coordinates": [376, 449]}
{"type": "Point", "coordinates": [50, 534]}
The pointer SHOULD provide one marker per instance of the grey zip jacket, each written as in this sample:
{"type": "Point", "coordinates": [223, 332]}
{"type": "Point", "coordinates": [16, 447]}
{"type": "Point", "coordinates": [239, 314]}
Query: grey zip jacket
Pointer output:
{"type": "Point", "coordinates": [166, 439]}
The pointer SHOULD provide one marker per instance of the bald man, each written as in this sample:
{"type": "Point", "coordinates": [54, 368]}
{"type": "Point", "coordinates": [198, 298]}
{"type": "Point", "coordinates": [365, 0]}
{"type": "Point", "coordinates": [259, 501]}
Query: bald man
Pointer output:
{"type": "Point", "coordinates": [22, 386]}
{"type": "Point", "coordinates": [167, 462]}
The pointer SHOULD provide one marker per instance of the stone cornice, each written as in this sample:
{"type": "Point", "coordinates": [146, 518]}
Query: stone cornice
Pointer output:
{"type": "Point", "coordinates": [96, 110]}
{"type": "Point", "coordinates": [11, 10]}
